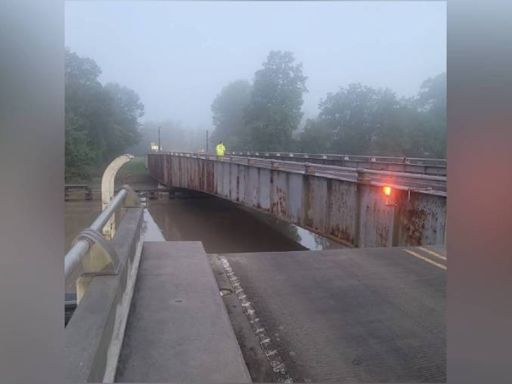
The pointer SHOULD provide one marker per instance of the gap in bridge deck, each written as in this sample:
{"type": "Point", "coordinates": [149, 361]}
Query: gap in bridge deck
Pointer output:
{"type": "Point", "coordinates": [224, 227]}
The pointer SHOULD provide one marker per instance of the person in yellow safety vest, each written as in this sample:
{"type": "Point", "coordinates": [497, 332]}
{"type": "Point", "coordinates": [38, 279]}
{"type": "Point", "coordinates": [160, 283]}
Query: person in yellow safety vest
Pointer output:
{"type": "Point", "coordinates": [220, 149]}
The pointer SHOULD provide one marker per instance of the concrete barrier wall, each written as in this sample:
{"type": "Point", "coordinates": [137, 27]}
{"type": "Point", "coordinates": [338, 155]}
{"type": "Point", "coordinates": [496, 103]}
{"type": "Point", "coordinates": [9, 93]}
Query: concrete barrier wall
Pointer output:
{"type": "Point", "coordinates": [94, 334]}
{"type": "Point", "coordinates": [351, 212]}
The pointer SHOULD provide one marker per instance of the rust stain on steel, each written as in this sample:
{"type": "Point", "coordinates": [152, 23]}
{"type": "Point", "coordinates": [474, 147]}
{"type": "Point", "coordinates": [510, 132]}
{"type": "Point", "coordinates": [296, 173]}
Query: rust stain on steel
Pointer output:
{"type": "Point", "coordinates": [376, 219]}
{"type": "Point", "coordinates": [382, 235]}
{"type": "Point", "coordinates": [190, 174]}
{"type": "Point", "coordinates": [422, 220]}
{"type": "Point", "coordinates": [279, 203]}
{"type": "Point", "coordinates": [237, 186]}
{"type": "Point", "coordinates": [383, 223]}
{"type": "Point", "coordinates": [339, 233]}
{"type": "Point", "coordinates": [317, 199]}
{"type": "Point", "coordinates": [210, 181]}
{"type": "Point", "coordinates": [331, 208]}
{"type": "Point", "coordinates": [307, 209]}
{"type": "Point", "coordinates": [265, 189]}
{"type": "Point", "coordinates": [414, 220]}
{"type": "Point", "coordinates": [201, 176]}
{"type": "Point", "coordinates": [342, 211]}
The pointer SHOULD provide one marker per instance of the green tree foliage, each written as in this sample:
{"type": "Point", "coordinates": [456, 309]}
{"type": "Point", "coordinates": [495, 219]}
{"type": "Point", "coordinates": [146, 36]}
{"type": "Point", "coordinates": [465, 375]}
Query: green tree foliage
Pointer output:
{"type": "Point", "coordinates": [358, 119]}
{"type": "Point", "coordinates": [101, 121]}
{"type": "Point", "coordinates": [316, 138]}
{"type": "Point", "coordinates": [362, 120]}
{"type": "Point", "coordinates": [274, 109]}
{"type": "Point", "coordinates": [125, 109]}
{"type": "Point", "coordinates": [431, 106]}
{"type": "Point", "coordinates": [228, 110]}
{"type": "Point", "coordinates": [355, 120]}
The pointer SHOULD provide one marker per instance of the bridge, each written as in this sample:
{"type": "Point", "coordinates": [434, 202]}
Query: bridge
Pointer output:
{"type": "Point", "coordinates": [151, 310]}
{"type": "Point", "coordinates": [347, 205]}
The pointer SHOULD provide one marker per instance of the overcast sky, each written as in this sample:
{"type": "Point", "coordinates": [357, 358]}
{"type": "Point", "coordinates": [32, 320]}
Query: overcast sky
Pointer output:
{"type": "Point", "coordinates": [178, 55]}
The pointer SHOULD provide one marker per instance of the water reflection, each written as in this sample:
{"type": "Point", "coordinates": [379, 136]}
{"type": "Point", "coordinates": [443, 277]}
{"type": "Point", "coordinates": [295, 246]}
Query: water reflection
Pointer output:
{"type": "Point", "coordinates": [307, 239]}
{"type": "Point", "coordinates": [221, 226]}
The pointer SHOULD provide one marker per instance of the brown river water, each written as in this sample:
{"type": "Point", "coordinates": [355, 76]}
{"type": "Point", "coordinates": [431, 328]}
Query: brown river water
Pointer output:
{"type": "Point", "coordinates": [222, 226]}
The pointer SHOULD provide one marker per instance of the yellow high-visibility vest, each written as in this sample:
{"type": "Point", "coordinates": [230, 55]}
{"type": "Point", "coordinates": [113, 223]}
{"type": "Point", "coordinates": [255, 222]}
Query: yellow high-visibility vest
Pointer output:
{"type": "Point", "coordinates": [220, 149]}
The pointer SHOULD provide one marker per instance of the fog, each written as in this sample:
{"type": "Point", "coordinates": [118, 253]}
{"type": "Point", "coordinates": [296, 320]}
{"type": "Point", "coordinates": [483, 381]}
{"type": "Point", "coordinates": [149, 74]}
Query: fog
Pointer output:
{"type": "Point", "coordinates": [177, 56]}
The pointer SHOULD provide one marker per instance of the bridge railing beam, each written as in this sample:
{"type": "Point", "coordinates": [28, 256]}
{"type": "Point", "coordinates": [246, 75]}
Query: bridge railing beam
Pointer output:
{"type": "Point", "coordinates": [431, 184]}
{"type": "Point", "coordinates": [91, 250]}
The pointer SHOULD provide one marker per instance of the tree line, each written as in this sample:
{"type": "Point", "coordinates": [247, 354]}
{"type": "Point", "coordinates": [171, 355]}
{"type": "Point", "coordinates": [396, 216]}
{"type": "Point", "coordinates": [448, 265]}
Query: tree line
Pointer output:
{"type": "Point", "coordinates": [265, 115]}
{"type": "Point", "coordinates": [101, 121]}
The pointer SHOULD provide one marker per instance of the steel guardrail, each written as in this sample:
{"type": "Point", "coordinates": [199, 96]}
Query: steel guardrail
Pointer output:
{"type": "Point", "coordinates": [82, 245]}
{"type": "Point", "coordinates": [425, 161]}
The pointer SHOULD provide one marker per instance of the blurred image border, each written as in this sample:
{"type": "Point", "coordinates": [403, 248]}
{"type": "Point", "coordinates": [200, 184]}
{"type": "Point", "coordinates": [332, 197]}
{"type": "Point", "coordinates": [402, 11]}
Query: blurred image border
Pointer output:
{"type": "Point", "coordinates": [479, 245]}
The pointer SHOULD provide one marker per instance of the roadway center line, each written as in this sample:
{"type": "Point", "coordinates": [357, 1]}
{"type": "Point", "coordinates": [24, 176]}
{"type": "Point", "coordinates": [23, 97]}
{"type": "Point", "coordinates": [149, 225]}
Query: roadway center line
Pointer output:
{"type": "Point", "coordinates": [432, 253]}
{"type": "Point", "coordinates": [424, 258]}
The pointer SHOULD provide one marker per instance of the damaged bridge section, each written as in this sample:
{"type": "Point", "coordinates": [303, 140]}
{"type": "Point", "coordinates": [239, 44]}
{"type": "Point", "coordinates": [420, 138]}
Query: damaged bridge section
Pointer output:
{"type": "Point", "coordinates": [347, 205]}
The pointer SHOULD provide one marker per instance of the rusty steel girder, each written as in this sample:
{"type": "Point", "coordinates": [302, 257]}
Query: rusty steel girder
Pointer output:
{"type": "Point", "coordinates": [345, 205]}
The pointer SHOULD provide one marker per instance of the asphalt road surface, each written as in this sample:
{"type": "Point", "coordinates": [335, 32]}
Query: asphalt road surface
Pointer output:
{"type": "Point", "coordinates": [351, 315]}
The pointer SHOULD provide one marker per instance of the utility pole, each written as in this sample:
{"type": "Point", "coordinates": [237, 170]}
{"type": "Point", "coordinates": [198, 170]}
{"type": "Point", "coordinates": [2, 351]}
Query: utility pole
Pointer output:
{"type": "Point", "coordinates": [159, 146]}
{"type": "Point", "coordinates": [206, 147]}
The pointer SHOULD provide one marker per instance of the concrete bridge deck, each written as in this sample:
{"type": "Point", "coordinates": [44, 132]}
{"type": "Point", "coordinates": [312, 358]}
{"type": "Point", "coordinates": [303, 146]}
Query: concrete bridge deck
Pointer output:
{"type": "Point", "coordinates": [178, 329]}
{"type": "Point", "coordinates": [348, 315]}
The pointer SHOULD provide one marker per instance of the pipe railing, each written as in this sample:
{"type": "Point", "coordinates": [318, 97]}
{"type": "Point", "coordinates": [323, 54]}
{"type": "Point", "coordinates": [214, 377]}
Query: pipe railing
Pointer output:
{"type": "Point", "coordinates": [85, 240]}
{"type": "Point", "coordinates": [392, 160]}
{"type": "Point", "coordinates": [363, 158]}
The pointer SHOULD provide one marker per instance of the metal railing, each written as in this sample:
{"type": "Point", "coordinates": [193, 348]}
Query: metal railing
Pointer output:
{"type": "Point", "coordinates": [400, 180]}
{"type": "Point", "coordinates": [82, 244]}
{"type": "Point", "coordinates": [356, 158]}
{"type": "Point", "coordinates": [91, 239]}
{"type": "Point", "coordinates": [104, 267]}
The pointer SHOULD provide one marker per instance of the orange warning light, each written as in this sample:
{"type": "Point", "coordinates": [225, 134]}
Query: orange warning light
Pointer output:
{"type": "Point", "coordinates": [387, 190]}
